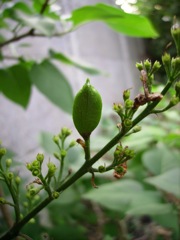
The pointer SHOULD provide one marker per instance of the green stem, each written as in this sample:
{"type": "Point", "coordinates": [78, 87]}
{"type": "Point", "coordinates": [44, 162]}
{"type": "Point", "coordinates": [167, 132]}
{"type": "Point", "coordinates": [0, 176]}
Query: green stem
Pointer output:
{"type": "Point", "coordinates": [45, 184]}
{"type": "Point", "coordinates": [87, 149]}
{"type": "Point", "coordinates": [61, 170]}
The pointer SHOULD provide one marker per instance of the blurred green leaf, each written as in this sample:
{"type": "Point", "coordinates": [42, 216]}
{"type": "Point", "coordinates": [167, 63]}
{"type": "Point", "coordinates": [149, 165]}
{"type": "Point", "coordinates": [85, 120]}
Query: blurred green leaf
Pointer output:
{"type": "Point", "coordinates": [161, 159]}
{"type": "Point", "coordinates": [53, 84]}
{"type": "Point", "coordinates": [15, 84]}
{"type": "Point", "coordinates": [63, 58]}
{"type": "Point", "coordinates": [169, 221]}
{"type": "Point", "coordinates": [148, 135]}
{"type": "Point", "coordinates": [44, 25]}
{"type": "Point", "coordinates": [150, 209]}
{"type": "Point", "coordinates": [49, 11]}
{"type": "Point", "coordinates": [122, 196]}
{"type": "Point", "coordinates": [9, 10]}
{"type": "Point", "coordinates": [118, 20]}
{"type": "Point", "coordinates": [168, 181]}
{"type": "Point", "coordinates": [46, 142]}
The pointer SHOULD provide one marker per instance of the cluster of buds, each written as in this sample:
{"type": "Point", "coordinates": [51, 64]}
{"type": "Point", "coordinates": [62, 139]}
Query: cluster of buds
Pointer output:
{"type": "Point", "coordinates": [120, 170]}
{"type": "Point", "coordinates": [36, 165]}
{"type": "Point", "coordinates": [11, 179]}
{"type": "Point", "coordinates": [125, 110]}
{"type": "Point", "coordinates": [171, 66]}
{"type": "Point", "coordinates": [175, 32]}
{"type": "Point", "coordinates": [59, 141]}
{"type": "Point", "coordinates": [121, 156]}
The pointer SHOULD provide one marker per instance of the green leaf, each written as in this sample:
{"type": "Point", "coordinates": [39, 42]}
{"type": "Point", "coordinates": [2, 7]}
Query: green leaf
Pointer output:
{"type": "Point", "coordinates": [168, 181]}
{"type": "Point", "coordinates": [10, 10]}
{"type": "Point", "coordinates": [169, 221]}
{"type": "Point", "coordinates": [122, 196]}
{"type": "Point", "coordinates": [118, 20]}
{"type": "Point", "coordinates": [46, 142]}
{"type": "Point", "coordinates": [53, 84]}
{"type": "Point", "coordinates": [150, 209]}
{"type": "Point", "coordinates": [15, 84]}
{"type": "Point", "coordinates": [162, 159]}
{"type": "Point", "coordinates": [142, 139]}
{"type": "Point", "coordinates": [44, 25]}
{"type": "Point", "coordinates": [63, 58]}
{"type": "Point", "coordinates": [50, 10]}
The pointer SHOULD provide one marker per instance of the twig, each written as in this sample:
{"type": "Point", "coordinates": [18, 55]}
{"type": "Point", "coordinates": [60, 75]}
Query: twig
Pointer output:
{"type": "Point", "coordinates": [44, 6]}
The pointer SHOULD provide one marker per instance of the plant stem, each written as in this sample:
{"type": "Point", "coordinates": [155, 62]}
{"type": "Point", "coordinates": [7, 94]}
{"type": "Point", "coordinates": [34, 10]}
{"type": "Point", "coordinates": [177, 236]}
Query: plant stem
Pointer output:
{"type": "Point", "coordinates": [87, 149]}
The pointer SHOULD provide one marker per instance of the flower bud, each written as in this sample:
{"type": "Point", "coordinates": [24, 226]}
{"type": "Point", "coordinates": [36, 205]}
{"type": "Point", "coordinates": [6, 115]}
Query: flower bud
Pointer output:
{"type": "Point", "coordinates": [66, 131]}
{"type": "Point", "coordinates": [36, 172]}
{"type": "Point", "coordinates": [166, 59]}
{"type": "Point", "coordinates": [17, 180]}
{"type": "Point", "coordinates": [36, 164]}
{"type": "Point", "coordinates": [139, 66]}
{"type": "Point", "coordinates": [8, 162]}
{"type": "Point", "coordinates": [136, 129]}
{"type": "Point", "coordinates": [10, 175]}
{"type": "Point", "coordinates": [129, 104]}
{"type": "Point", "coordinates": [175, 65]}
{"type": "Point", "coordinates": [127, 123]}
{"type": "Point", "coordinates": [40, 157]}
{"type": "Point", "coordinates": [72, 144]}
{"type": "Point", "coordinates": [2, 152]}
{"type": "Point", "coordinates": [174, 101]}
{"type": "Point", "coordinates": [55, 194]}
{"type": "Point", "coordinates": [51, 169]}
{"type": "Point", "coordinates": [175, 32]}
{"type": "Point", "coordinates": [117, 107]}
{"type": "Point", "coordinates": [101, 169]}
{"type": "Point", "coordinates": [56, 139]}
{"type": "Point", "coordinates": [126, 94]}
{"type": "Point", "coordinates": [33, 191]}
{"type": "Point", "coordinates": [63, 153]}
{"type": "Point", "coordinates": [128, 153]}
{"type": "Point", "coordinates": [29, 166]}
{"type": "Point", "coordinates": [147, 65]}
{"type": "Point", "coordinates": [32, 221]}
{"type": "Point", "coordinates": [119, 169]}
{"type": "Point", "coordinates": [156, 66]}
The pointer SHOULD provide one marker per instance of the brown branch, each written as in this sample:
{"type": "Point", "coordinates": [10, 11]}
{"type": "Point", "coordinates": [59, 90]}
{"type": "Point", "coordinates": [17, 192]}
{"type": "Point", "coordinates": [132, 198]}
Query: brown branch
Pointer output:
{"type": "Point", "coordinates": [14, 39]}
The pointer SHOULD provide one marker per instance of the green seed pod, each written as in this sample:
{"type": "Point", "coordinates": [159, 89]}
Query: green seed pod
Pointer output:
{"type": "Point", "coordinates": [87, 110]}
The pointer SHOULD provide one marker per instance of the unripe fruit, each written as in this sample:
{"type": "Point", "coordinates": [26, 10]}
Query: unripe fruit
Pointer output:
{"type": "Point", "coordinates": [87, 110]}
